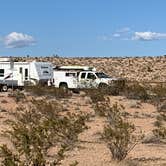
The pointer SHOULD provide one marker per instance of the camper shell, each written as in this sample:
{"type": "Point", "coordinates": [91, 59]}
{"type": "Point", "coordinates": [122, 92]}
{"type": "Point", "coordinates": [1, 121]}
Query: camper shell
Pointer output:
{"type": "Point", "coordinates": [19, 74]}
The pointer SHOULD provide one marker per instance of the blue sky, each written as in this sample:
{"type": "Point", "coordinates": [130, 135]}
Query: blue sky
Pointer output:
{"type": "Point", "coordinates": [82, 27]}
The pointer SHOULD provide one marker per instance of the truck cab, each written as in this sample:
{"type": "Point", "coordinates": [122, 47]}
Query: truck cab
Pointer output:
{"type": "Point", "coordinates": [92, 79]}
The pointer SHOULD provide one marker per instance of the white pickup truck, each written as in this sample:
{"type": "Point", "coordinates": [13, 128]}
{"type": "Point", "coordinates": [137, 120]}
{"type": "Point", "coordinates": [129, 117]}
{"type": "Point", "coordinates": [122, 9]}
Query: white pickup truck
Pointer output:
{"type": "Point", "coordinates": [81, 77]}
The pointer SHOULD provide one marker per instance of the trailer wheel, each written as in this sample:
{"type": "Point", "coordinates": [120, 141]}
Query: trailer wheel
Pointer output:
{"type": "Point", "coordinates": [4, 88]}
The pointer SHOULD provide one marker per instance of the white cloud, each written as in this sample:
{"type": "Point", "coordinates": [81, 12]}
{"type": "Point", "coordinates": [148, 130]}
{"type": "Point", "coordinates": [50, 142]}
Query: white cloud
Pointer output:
{"type": "Point", "coordinates": [18, 40]}
{"type": "Point", "coordinates": [148, 36]}
{"type": "Point", "coordinates": [116, 35]}
{"type": "Point", "coordinates": [124, 30]}
{"type": "Point", "coordinates": [105, 37]}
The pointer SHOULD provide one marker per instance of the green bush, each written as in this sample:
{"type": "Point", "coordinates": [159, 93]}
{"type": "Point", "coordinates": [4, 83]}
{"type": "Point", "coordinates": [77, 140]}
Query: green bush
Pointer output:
{"type": "Point", "coordinates": [136, 91]}
{"type": "Point", "coordinates": [17, 95]}
{"type": "Point", "coordinates": [160, 91]}
{"type": "Point", "coordinates": [96, 95]}
{"type": "Point", "coordinates": [100, 108]}
{"type": "Point", "coordinates": [39, 90]}
{"type": "Point", "coordinates": [39, 128]}
{"type": "Point", "coordinates": [159, 95]}
{"type": "Point", "coordinates": [118, 133]}
{"type": "Point", "coordinates": [10, 159]}
{"type": "Point", "coordinates": [160, 130]}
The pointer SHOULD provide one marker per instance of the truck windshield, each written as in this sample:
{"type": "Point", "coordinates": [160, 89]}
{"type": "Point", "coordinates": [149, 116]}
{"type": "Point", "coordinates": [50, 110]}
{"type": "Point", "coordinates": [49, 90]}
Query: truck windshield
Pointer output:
{"type": "Point", "coordinates": [102, 75]}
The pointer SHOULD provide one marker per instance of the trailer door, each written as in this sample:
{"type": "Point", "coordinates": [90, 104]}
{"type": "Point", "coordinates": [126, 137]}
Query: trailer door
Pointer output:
{"type": "Point", "coordinates": [26, 75]}
{"type": "Point", "coordinates": [23, 75]}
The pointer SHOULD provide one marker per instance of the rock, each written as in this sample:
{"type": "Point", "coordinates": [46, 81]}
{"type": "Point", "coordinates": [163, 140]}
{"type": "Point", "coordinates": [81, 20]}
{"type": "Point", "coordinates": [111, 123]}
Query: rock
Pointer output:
{"type": "Point", "coordinates": [150, 138]}
{"type": "Point", "coordinates": [82, 93]}
{"type": "Point", "coordinates": [135, 104]}
{"type": "Point", "coordinates": [87, 100]}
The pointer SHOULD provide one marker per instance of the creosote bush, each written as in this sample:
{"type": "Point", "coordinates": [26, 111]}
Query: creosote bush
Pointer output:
{"type": "Point", "coordinates": [101, 108]}
{"type": "Point", "coordinates": [118, 133]}
{"type": "Point", "coordinates": [160, 124]}
{"type": "Point", "coordinates": [136, 91]}
{"type": "Point", "coordinates": [38, 128]}
{"type": "Point", "coordinates": [39, 90]}
{"type": "Point", "coordinates": [17, 95]}
{"type": "Point", "coordinates": [96, 95]}
{"type": "Point", "coordinates": [159, 96]}
{"type": "Point", "coordinates": [160, 130]}
{"type": "Point", "coordinates": [160, 91]}
{"type": "Point", "coordinates": [99, 94]}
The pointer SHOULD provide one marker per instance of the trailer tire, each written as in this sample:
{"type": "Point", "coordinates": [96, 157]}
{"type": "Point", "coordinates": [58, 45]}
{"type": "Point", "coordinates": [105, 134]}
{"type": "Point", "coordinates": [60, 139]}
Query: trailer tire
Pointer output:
{"type": "Point", "coordinates": [4, 88]}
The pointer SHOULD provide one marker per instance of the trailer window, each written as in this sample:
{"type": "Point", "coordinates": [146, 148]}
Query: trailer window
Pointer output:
{"type": "Point", "coordinates": [83, 75]}
{"type": "Point", "coordinates": [45, 72]}
{"type": "Point", "coordinates": [20, 70]}
{"type": "Point", "coordinates": [44, 67]}
{"type": "Point", "coordinates": [1, 72]}
{"type": "Point", "coordinates": [26, 74]}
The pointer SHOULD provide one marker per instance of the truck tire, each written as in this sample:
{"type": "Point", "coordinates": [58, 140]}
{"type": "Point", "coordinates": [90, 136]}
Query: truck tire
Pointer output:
{"type": "Point", "coordinates": [63, 86]}
{"type": "Point", "coordinates": [4, 88]}
{"type": "Point", "coordinates": [103, 86]}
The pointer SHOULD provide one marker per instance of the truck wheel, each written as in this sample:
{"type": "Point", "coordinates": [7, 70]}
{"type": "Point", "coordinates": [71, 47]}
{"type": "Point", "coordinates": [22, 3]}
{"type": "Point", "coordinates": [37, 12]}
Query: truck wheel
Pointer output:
{"type": "Point", "coordinates": [4, 88]}
{"type": "Point", "coordinates": [63, 86]}
{"type": "Point", "coordinates": [76, 91]}
{"type": "Point", "coordinates": [103, 86]}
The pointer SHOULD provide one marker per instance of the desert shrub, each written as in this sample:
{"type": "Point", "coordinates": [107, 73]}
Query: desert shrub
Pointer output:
{"type": "Point", "coordinates": [10, 158]}
{"type": "Point", "coordinates": [99, 94]}
{"type": "Point", "coordinates": [118, 133]}
{"type": "Point", "coordinates": [160, 90]}
{"type": "Point", "coordinates": [158, 96]}
{"type": "Point", "coordinates": [39, 128]}
{"type": "Point", "coordinates": [161, 107]}
{"type": "Point", "coordinates": [160, 130]}
{"type": "Point", "coordinates": [39, 90]}
{"type": "Point", "coordinates": [96, 95]}
{"type": "Point", "coordinates": [136, 91]}
{"type": "Point", "coordinates": [117, 87]}
{"type": "Point", "coordinates": [17, 95]}
{"type": "Point", "coordinates": [101, 108]}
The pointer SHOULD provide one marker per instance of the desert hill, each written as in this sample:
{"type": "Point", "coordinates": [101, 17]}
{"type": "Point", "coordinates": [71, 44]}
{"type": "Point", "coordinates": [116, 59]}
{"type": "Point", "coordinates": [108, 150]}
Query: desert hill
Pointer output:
{"type": "Point", "coordinates": [133, 68]}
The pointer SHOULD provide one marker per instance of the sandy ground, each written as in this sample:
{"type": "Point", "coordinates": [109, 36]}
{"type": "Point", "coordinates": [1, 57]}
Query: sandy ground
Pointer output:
{"type": "Point", "coordinates": [91, 150]}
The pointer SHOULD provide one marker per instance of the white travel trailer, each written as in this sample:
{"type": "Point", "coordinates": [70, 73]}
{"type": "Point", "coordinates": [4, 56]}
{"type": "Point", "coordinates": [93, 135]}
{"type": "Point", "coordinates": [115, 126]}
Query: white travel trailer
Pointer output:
{"type": "Point", "coordinates": [18, 74]}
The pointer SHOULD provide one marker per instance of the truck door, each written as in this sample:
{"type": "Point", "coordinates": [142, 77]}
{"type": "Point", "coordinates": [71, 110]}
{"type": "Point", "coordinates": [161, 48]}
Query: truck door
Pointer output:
{"type": "Point", "coordinates": [87, 80]}
{"type": "Point", "coordinates": [82, 80]}
{"type": "Point", "coordinates": [91, 80]}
